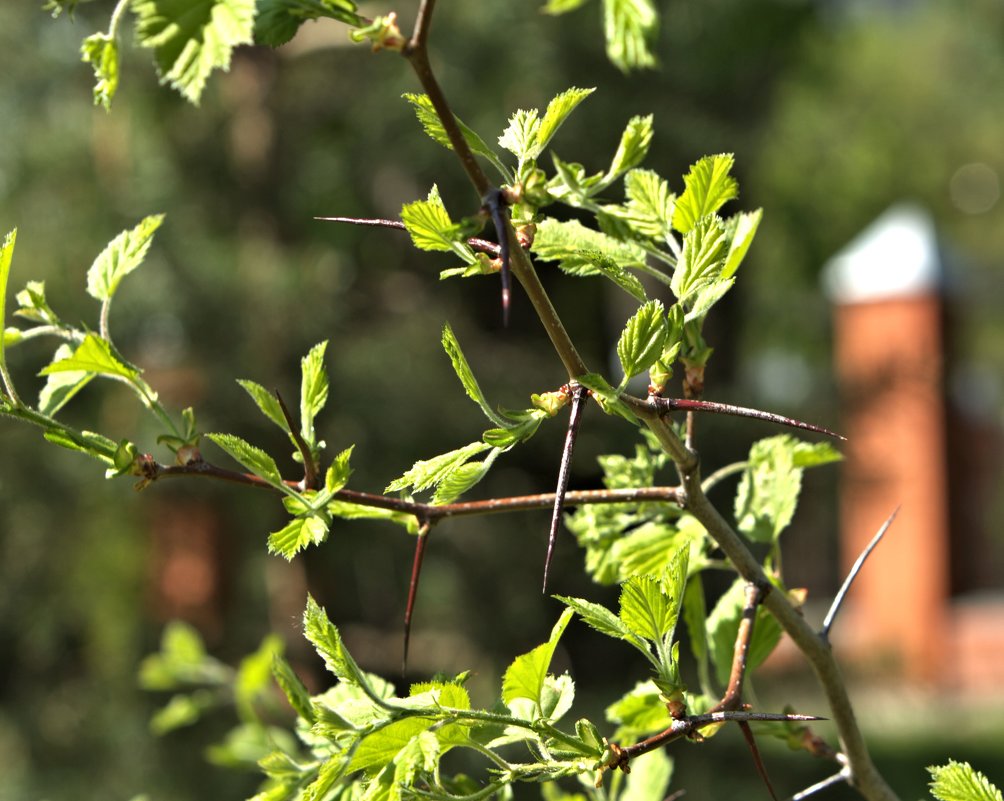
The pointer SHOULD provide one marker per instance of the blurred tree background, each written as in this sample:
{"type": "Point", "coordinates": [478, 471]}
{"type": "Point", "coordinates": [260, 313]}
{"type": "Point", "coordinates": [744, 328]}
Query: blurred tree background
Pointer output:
{"type": "Point", "coordinates": [835, 110]}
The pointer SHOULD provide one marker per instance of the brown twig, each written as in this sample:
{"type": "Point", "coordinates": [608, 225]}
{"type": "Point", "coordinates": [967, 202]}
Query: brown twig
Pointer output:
{"type": "Point", "coordinates": [574, 419]}
{"type": "Point", "coordinates": [690, 725]}
{"type": "Point", "coordinates": [428, 511]}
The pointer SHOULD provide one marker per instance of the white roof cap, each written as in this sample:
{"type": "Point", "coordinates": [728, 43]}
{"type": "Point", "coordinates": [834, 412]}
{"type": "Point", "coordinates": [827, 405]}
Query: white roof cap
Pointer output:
{"type": "Point", "coordinates": [895, 256]}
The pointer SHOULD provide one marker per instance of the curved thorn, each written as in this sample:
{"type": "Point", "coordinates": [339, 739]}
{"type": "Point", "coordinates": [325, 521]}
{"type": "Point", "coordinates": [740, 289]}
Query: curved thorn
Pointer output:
{"type": "Point", "coordinates": [575, 417]}
{"type": "Point", "coordinates": [683, 404]}
{"type": "Point", "coordinates": [855, 569]}
{"type": "Point", "coordinates": [416, 570]}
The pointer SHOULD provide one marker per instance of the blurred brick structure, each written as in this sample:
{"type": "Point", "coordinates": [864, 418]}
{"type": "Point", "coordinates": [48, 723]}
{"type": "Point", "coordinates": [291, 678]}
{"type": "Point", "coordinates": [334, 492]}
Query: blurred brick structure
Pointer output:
{"type": "Point", "coordinates": [901, 618]}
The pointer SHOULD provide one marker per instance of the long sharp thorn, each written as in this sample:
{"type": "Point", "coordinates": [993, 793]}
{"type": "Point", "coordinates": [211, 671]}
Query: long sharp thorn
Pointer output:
{"type": "Point", "coordinates": [575, 418]}
{"type": "Point", "coordinates": [683, 404]}
{"type": "Point", "coordinates": [364, 221]}
{"type": "Point", "coordinates": [416, 570]}
{"type": "Point", "coordinates": [744, 727]}
{"type": "Point", "coordinates": [855, 569]}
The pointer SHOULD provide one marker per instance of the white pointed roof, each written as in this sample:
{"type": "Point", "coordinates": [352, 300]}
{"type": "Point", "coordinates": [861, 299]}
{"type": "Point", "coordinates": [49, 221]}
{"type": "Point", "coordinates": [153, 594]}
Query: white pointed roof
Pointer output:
{"type": "Point", "coordinates": [895, 256]}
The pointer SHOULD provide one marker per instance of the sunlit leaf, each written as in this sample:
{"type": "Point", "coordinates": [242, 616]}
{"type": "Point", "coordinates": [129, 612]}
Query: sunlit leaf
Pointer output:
{"type": "Point", "coordinates": [709, 185]}
{"type": "Point", "coordinates": [101, 51]}
{"type": "Point", "coordinates": [524, 678]}
{"type": "Point", "coordinates": [432, 125]}
{"type": "Point", "coordinates": [313, 390]}
{"type": "Point", "coordinates": [191, 38]}
{"type": "Point", "coordinates": [959, 781]}
{"type": "Point", "coordinates": [632, 148]}
{"type": "Point", "coordinates": [93, 355]}
{"type": "Point", "coordinates": [254, 459]}
{"type": "Point", "coordinates": [642, 339]}
{"type": "Point", "coordinates": [431, 228]}
{"type": "Point", "coordinates": [298, 534]}
{"type": "Point", "coordinates": [631, 27]}
{"type": "Point", "coordinates": [120, 257]}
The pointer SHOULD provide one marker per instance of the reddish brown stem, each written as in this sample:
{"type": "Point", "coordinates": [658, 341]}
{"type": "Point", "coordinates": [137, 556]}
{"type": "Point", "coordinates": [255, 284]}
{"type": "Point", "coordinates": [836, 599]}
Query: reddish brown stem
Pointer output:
{"type": "Point", "coordinates": [416, 571]}
{"type": "Point", "coordinates": [683, 404]}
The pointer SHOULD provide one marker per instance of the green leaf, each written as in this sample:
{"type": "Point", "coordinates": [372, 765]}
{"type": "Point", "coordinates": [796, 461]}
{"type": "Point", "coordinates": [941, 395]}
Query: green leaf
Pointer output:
{"type": "Point", "coordinates": [181, 661]}
{"type": "Point", "coordinates": [463, 478]}
{"type": "Point", "coordinates": [649, 777]}
{"type": "Point", "coordinates": [384, 746]}
{"type": "Point", "coordinates": [632, 148]}
{"type": "Point", "coordinates": [602, 619]}
{"type": "Point", "coordinates": [701, 259]}
{"type": "Point", "coordinates": [431, 228]}
{"type": "Point", "coordinates": [741, 229]}
{"type": "Point", "coordinates": [181, 711]}
{"type": "Point", "coordinates": [294, 690]}
{"type": "Point", "coordinates": [253, 681]}
{"type": "Point", "coordinates": [581, 251]}
{"type": "Point", "coordinates": [644, 610]}
{"type": "Point", "coordinates": [524, 678]}
{"type": "Point", "coordinates": [337, 475]}
{"type": "Point", "coordinates": [958, 781]}
{"type": "Point", "coordinates": [277, 21]}
{"type": "Point", "coordinates": [429, 473]}
{"type": "Point", "coordinates": [769, 488]}
{"type": "Point", "coordinates": [561, 6]}
{"type": "Point", "coordinates": [694, 615]}
{"type": "Point", "coordinates": [434, 128]}
{"type": "Point", "coordinates": [266, 402]}
{"type": "Point", "coordinates": [814, 454]}
{"type": "Point", "coordinates": [60, 387]}
{"type": "Point", "coordinates": [120, 257]}
{"type": "Point", "coordinates": [313, 391]}
{"type": "Point", "coordinates": [708, 186]}
{"type": "Point", "coordinates": [254, 459]}
{"type": "Point", "coordinates": [33, 306]}
{"type": "Point", "coordinates": [191, 38]}
{"type": "Point", "coordinates": [639, 713]}
{"type": "Point", "coordinates": [323, 635]}
{"type": "Point", "coordinates": [297, 535]}
{"type": "Point", "coordinates": [649, 210]}
{"type": "Point", "coordinates": [93, 355]}
{"type": "Point", "coordinates": [642, 340]}
{"type": "Point", "coordinates": [520, 135]}
{"type": "Point", "coordinates": [466, 376]}
{"type": "Point", "coordinates": [630, 27]}
{"type": "Point", "coordinates": [557, 112]}
{"type": "Point", "coordinates": [6, 255]}
{"type": "Point", "coordinates": [705, 297]}
{"type": "Point", "coordinates": [101, 51]}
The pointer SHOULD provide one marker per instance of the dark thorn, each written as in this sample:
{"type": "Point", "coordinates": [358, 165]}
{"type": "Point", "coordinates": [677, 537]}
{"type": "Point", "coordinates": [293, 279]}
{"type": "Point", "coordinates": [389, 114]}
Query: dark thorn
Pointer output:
{"type": "Point", "coordinates": [574, 419]}
{"type": "Point", "coordinates": [494, 203]}
{"type": "Point", "coordinates": [683, 404]}
{"type": "Point", "coordinates": [744, 727]}
{"type": "Point", "coordinates": [310, 468]}
{"type": "Point", "coordinates": [416, 570]}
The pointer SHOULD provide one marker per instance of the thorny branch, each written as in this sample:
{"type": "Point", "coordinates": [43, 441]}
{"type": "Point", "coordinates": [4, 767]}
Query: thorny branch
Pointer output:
{"type": "Point", "coordinates": [863, 774]}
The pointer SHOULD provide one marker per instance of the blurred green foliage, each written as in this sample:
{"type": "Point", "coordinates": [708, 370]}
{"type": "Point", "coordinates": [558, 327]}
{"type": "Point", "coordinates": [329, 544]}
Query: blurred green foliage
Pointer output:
{"type": "Point", "coordinates": [834, 112]}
